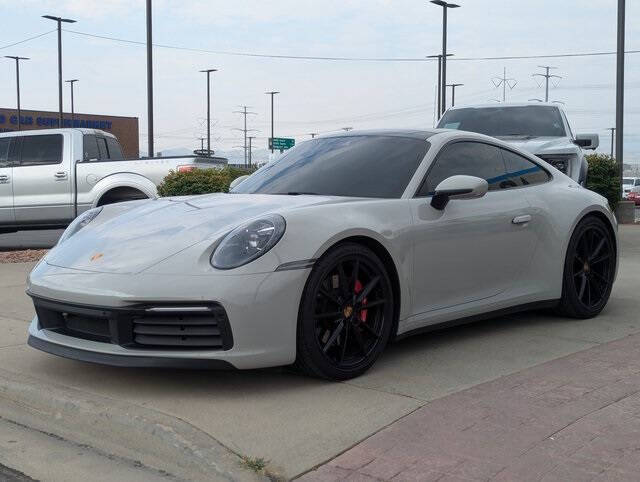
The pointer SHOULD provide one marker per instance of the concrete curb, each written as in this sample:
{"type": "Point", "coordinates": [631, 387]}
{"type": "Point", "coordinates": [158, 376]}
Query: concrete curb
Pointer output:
{"type": "Point", "coordinates": [124, 430]}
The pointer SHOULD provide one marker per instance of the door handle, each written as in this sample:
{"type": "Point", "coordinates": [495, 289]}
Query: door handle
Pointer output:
{"type": "Point", "coordinates": [521, 219]}
{"type": "Point", "coordinates": [60, 175]}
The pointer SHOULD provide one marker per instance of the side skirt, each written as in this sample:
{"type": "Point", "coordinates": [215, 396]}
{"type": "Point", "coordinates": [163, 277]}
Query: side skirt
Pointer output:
{"type": "Point", "coordinates": [537, 305]}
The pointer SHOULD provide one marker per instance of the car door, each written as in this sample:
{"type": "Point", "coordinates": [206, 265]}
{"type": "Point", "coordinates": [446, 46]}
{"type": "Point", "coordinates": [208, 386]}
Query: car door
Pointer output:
{"type": "Point", "coordinates": [42, 181]}
{"type": "Point", "coordinates": [473, 249]}
{"type": "Point", "coordinates": [6, 182]}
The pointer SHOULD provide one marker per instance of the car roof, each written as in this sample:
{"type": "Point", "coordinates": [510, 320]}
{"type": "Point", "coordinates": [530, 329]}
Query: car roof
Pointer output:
{"type": "Point", "coordinates": [29, 132]}
{"type": "Point", "coordinates": [412, 133]}
{"type": "Point", "coordinates": [499, 105]}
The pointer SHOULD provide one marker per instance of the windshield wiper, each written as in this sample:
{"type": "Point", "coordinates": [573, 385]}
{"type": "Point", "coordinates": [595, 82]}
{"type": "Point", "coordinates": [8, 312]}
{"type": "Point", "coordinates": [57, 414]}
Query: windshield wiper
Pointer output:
{"type": "Point", "coordinates": [297, 193]}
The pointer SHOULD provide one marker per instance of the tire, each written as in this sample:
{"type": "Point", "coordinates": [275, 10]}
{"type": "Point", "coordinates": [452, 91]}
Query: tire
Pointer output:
{"type": "Point", "coordinates": [346, 314]}
{"type": "Point", "coordinates": [589, 270]}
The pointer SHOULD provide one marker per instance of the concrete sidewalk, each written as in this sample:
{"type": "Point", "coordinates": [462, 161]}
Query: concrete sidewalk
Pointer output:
{"type": "Point", "coordinates": [574, 418]}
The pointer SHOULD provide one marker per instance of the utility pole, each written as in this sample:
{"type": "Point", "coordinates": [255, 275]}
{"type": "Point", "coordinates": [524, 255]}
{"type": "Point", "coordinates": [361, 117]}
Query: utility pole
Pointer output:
{"type": "Point", "coordinates": [445, 7]}
{"type": "Point", "coordinates": [208, 71]}
{"type": "Point", "coordinates": [620, 92]}
{"type": "Point", "coordinates": [245, 113]}
{"type": "Point", "coordinates": [60, 20]}
{"type": "Point", "coordinates": [453, 92]}
{"type": "Point", "coordinates": [546, 76]}
{"type": "Point", "coordinates": [250, 150]}
{"type": "Point", "coordinates": [272, 93]}
{"type": "Point", "coordinates": [17, 59]}
{"type": "Point", "coordinates": [149, 78]}
{"type": "Point", "coordinates": [504, 81]}
{"type": "Point", "coordinates": [202, 143]}
{"type": "Point", "coordinates": [71, 82]}
{"type": "Point", "coordinates": [613, 136]}
{"type": "Point", "coordinates": [439, 95]}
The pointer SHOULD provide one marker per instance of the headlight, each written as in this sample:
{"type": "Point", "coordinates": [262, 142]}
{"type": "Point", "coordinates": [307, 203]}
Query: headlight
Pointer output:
{"type": "Point", "coordinates": [78, 223]}
{"type": "Point", "coordinates": [248, 242]}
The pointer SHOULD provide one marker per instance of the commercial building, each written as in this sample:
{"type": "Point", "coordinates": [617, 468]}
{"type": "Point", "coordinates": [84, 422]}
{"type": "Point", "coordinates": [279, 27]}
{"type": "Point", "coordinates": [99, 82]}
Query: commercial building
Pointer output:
{"type": "Point", "coordinates": [124, 128]}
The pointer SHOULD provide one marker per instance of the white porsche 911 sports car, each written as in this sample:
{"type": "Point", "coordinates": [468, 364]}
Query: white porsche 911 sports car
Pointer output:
{"type": "Point", "coordinates": [322, 258]}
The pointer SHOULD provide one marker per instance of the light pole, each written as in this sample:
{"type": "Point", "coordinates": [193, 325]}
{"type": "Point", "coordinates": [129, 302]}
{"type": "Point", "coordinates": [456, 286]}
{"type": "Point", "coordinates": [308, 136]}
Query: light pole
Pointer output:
{"type": "Point", "coordinates": [250, 157]}
{"type": "Point", "coordinates": [17, 59]}
{"type": "Point", "coordinates": [149, 78]}
{"type": "Point", "coordinates": [453, 92]}
{"type": "Point", "coordinates": [439, 57]}
{"type": "Point", "coordinates": [208, 71]}
{"type": "Point", "coordinates": [620, 92]}
{"type": "Point", "coordinates": [59, 20]}
{"type": "Point", "coordinates": [445, 6]}
{"type": "Point", "coordinates": [71, 82]}
{"type": "Point", "coordinates": [272, 93]}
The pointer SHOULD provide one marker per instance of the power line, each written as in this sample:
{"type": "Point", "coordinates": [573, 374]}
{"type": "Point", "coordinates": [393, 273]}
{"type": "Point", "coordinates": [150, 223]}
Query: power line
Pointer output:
{"type": "Point", "coordinates": [504, 82]}
{"type": "Point", "coordinates": [245, 113]}
{"type": "Point", "coordinates": [27, 39]}
{"type": "Point", "coordinates": [546, 76]}
{"type": "Point", "coordinates": [343, 59]}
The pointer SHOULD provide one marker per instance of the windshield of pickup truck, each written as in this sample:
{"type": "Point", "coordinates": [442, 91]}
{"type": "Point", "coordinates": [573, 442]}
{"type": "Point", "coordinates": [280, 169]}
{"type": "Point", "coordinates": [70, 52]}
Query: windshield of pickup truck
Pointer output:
{"type": "Point", "coordinates": [353, 166]}
{"type": "Point", "coordinates": [529, 121]}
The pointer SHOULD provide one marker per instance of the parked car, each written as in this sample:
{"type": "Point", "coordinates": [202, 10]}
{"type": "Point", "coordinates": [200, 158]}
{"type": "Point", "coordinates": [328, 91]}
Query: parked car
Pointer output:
{"type": "Point", "coordinates": [634, 195]}
{"type": "Point", "coordinates": [48, 177]}
{"type": "Point", "coordinates": [323, 256]}
{"type": "Point", "coordinates": [628, 183]}
{"type": "Point", "coordinates": [541, 129]}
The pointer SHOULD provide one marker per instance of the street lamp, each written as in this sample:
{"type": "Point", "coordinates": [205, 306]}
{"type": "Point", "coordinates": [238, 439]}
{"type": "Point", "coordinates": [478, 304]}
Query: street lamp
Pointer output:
{"type": "Point", "coordinates": [17, 59]}
{"type": "Point", "coordinates": [272, 93]}
{"type": "Point", "coordinates": [208, 72]}
{"type": "Point", "coordinates": [445, 6]}
{"type": "Point", "coordinates": [439, 57]}
{"type": "Point", "coordinates": [59, 21]}
{"type": "Point", "coordinates": [71, 82]}
{"type": "Point", "coordinates": [620, 92]}
{"type": "Point", "coordinates": [453, 92]}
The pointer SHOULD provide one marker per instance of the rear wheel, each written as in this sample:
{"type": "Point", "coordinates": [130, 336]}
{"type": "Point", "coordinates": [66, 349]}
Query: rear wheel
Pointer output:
{"type": "Point", "coordinates": [589, 269]}
{"type": "Point", "coordinates": [346, 314]}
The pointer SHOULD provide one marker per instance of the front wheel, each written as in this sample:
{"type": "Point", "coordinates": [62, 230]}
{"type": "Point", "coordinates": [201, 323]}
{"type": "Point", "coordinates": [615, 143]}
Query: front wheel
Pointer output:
{"type": "Point", "coordinates": [346, 314]}
{"type": "Point", "coordinates": [589, 269]}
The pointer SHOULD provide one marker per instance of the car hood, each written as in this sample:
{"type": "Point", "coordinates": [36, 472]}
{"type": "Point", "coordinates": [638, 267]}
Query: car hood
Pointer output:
{"type": "Point", "coordinates": [130, 239]}
{"type": "Point", "coordinates": [543, 145]}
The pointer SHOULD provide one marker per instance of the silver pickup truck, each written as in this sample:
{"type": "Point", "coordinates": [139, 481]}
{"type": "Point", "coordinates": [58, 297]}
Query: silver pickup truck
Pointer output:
{"type": "Point", "coordinates": [48, 177]}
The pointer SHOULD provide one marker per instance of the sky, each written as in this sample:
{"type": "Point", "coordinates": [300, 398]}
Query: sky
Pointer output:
{"type": "Point", "coordinates": [317, 95]}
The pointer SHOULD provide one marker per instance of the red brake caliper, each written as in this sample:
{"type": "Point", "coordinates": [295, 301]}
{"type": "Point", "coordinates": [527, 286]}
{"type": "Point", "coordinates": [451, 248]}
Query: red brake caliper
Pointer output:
{"type": "Point", "coordinates": [358, 288]}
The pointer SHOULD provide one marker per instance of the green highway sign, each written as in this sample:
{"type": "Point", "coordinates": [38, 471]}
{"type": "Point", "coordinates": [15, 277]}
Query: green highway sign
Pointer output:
{"type": "Point", "coordinates": [281, 143]}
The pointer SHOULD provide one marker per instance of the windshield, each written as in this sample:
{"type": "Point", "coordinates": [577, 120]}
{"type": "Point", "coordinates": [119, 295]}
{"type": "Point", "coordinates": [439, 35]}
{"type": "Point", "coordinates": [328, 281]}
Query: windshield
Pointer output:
{"type": "Point", "coordinates": [353, 166]}
{"type": "Point", "coordinates": [529, 121]}
{"type": "Point", "coordinates": [627, 181]}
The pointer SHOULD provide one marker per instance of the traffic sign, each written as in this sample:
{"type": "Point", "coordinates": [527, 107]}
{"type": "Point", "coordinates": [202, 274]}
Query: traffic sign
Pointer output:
{"type": "Point", "coordinates": [281, 143]}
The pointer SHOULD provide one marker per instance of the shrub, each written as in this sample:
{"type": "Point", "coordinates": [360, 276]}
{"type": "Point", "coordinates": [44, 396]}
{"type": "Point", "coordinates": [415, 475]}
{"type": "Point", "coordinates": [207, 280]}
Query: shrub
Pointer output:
{"type": "Point", "coordinates": [603, 177]}
{"type": "Point", "coordinates": [199, 181]}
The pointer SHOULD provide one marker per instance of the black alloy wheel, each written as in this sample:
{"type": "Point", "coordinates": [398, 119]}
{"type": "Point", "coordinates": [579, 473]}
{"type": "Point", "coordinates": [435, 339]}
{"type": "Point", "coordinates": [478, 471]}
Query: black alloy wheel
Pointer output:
{"type": "Point", "coordinates": [589, 269]}
{"type": "Point", "coordinates": [346, 314]}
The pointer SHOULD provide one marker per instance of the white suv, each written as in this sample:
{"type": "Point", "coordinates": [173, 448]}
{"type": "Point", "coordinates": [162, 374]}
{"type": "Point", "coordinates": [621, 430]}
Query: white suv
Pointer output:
{"type": "Point", "coordinates": [540, 128]}
{"type": "Point", "coordinates": [628, 183]}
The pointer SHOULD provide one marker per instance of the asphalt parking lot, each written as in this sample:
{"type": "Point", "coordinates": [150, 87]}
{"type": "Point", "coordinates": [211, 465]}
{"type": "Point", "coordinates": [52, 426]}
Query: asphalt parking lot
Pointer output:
{"type": "Point", "coordinates": [293, 422]}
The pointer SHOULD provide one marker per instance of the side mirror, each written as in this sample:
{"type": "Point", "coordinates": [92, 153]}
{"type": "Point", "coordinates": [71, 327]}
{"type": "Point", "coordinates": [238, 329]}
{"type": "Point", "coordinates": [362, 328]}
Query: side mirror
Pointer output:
{"type": "Point", "coordinates": [237, 181]}
{"type": "Point", "coordinates": [588, 141]}
{"type": "Point", "coordinates": [458, 187]}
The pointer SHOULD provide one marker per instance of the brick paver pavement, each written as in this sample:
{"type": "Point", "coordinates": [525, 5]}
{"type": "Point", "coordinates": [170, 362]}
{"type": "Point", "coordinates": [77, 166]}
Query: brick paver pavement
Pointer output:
{"type": "Point", "coordinates": [574, 418]}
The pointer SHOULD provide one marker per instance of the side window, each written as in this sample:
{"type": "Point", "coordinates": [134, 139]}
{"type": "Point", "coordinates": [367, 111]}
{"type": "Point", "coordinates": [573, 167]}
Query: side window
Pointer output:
{"type": "Point", "coordinates": [637, 180]}
{"type": "Point", "coordinates": [102, 148]}
{"type": "Point", "coordinates": [521, 171]}
{"type": "Point", "coordinates": [39, 150]}
{"type": "Point", "coordinates": [467, 158]}
{"type": "Point", "coordinates": [115, 153]}
{"type": "Point", "coordinates": [90, 147]}
{"type": "Point", "coordinates": [4, 152]}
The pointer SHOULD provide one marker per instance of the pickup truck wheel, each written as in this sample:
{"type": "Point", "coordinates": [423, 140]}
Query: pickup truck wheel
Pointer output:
{"type": "Point", "coordinates": [120, 194]}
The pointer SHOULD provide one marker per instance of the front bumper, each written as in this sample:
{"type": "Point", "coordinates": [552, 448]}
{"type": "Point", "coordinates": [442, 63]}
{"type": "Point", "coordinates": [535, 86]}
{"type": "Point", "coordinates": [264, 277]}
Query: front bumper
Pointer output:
{"type": "Point", "coordinates": [262, 311]}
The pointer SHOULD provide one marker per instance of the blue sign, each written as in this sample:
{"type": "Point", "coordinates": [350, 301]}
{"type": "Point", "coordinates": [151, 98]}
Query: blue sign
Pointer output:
{"type": "Point", "coordinates": [54, 122]}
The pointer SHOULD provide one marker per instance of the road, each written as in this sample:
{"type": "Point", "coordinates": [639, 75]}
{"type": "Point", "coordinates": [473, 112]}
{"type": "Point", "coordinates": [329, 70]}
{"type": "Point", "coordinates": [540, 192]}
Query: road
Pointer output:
{"type": "Point", "coordinates": [30, 239]}
{"type": "Point", "coordinates": [167, 419]}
